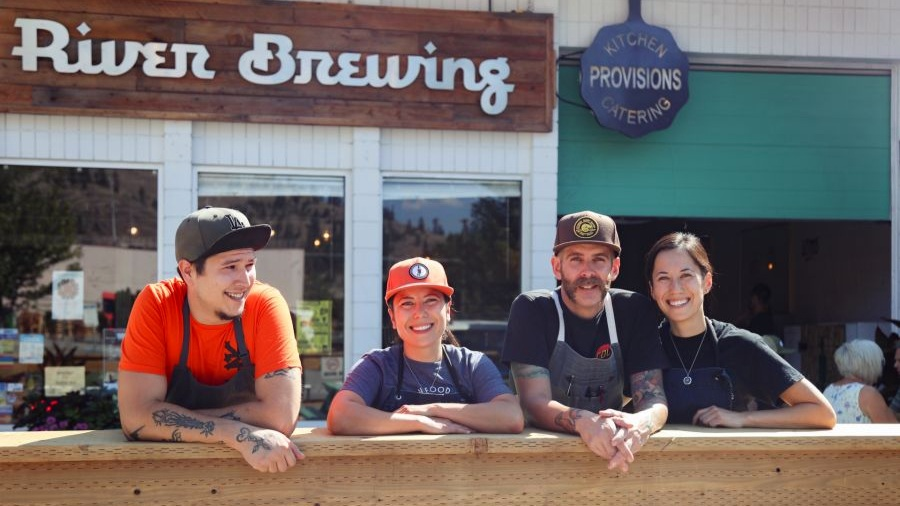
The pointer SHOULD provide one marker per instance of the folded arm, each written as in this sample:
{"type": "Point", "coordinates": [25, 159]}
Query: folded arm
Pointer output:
{"type": "Point", "coordinates": [535, 394]}
{"type": "Point", "coordinates": [146, 416]}
{"type": "Point", "coordinates": [501, 414]}
{"type": "Point", "coordinates": [277, 404]}
{"type": "Point", "coordinates": [806, 408]}
{"type": "Point", "coordinates": [349, 415]}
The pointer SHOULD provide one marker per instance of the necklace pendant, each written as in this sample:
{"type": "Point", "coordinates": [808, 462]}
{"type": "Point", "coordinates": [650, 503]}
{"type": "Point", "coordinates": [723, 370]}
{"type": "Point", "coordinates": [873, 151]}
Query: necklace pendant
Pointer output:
{"type": "Point", "coordinates": [687, 380]}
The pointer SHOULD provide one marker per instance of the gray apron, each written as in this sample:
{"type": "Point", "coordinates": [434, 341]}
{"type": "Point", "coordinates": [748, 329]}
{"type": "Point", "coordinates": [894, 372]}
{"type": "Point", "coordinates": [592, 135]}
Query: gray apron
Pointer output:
{"type": "Point", "coordinates": [592, 384]}
{"type": "Point", "coordinates": [184, 390]}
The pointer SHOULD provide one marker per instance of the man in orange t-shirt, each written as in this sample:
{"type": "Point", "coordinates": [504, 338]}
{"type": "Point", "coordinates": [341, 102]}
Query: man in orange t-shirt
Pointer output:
{"type": "Point", "coordinates": [210, 356]}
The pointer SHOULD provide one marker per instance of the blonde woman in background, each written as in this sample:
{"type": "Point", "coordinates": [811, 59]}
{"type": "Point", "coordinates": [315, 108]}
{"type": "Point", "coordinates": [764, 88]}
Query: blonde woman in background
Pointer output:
{"type": "Point", "coordinates": [853, 397]}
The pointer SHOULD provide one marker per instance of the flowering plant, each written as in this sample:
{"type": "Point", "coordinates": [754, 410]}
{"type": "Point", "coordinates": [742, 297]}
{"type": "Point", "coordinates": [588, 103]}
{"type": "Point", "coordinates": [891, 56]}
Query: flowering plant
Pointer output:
{"type": "Point", "coordinates": [73, 411]}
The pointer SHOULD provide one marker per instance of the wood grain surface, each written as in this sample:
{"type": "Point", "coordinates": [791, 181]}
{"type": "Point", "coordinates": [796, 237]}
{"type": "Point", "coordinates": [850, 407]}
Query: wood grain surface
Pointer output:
{"type": "Point", "coordinates": [852, 464]}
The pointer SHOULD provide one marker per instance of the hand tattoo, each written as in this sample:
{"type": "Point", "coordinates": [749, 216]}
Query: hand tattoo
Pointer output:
{"type": "Point", "coordinates": [258, 442]}
{"type": "Point", "coordinates": [566, 420]}
{"type": "Point", "coordinates": [171, 418]}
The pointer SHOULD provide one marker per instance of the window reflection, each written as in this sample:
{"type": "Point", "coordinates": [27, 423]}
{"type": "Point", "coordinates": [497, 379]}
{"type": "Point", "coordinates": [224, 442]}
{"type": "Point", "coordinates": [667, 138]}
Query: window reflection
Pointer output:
{"type": "Point", "coordinates": [304, 259]}
{"type": "Point", "coordinates": [76, 245]}
{"type": "Point", "coordinates": [474, 229]}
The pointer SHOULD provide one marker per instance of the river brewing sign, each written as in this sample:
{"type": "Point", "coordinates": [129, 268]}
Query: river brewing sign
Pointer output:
{"type": "Point", "coordinates": [633, 76]}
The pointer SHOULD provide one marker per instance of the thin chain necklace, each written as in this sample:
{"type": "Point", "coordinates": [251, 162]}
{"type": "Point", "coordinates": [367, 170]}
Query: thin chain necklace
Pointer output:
{"type": "Point", "coordinates": [687, 377]}
{"type": "Point", "coordinates": [437, 373]}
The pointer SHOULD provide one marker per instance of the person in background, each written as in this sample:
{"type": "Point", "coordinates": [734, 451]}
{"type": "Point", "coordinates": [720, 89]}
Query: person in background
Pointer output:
{"type": "Point", "coordinates": [578, 352]}
{"type": "Point", "coordinates": [424, 382]}
{"type": "Point", "coordinates": [853, 397]}
{"type": "Point", "coordinates": [717, 369]}
{"type": "Point", "coordinates": [210, 356]}
{"type": "Point", "coordinates": [759, 319]}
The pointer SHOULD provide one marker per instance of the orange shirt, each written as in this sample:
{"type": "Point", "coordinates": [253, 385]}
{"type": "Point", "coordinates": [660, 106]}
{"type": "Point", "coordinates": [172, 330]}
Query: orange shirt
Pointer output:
{"type": "Point", "coordinates": [153, 337]}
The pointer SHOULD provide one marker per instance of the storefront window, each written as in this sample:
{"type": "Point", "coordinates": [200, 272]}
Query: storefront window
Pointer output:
{"type": "Point", "coordinates": [474, 229]}
{"type": "Point", "coordinates": [304, 259]}
{"type": "Point", "coordinates": [76, 245]}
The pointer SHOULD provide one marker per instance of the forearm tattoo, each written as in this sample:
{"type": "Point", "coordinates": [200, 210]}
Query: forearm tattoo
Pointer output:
{"type": "Point", "coordinates": [289, 371]}
{"type": "Point", "coordinates": [176, 436]}
{"type": "Point", "coordinates": [566, 420]}
{"type": "Point", "coordinates": [231, 415]}
{"type": "Point", "coordinates": [647, 390]}
{"type": "Point", "coordinates": [528, 371]}
{"type": "Point", "coordinates": [258, 442]}
{"type": "Point", "coordinates": [169, 418]}
{"type": "Point", "coordinates": [134, 435]}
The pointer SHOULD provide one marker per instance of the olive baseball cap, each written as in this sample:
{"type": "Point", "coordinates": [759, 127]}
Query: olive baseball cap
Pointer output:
{"type": "Point", "coordinates": [414, 272]}
{"type": "Point", "coordinates": [212, 230]}
{"type": "Point", "coordinates": [586, 227]}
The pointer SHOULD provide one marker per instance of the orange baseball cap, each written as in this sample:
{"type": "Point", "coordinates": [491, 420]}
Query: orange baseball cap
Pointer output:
{"type": "Point", "coordinates": [414, 272]}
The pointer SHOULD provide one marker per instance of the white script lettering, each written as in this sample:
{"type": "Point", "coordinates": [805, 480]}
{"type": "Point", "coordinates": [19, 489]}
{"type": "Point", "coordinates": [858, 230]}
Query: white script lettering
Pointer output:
{"type": "Point", "coordinates": [156, 54]}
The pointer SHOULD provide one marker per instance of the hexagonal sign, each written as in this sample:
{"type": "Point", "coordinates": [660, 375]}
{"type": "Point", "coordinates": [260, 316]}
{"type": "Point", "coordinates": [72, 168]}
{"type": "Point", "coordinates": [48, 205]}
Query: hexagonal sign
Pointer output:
{"type": "Point", "coordinates": [633, 76]}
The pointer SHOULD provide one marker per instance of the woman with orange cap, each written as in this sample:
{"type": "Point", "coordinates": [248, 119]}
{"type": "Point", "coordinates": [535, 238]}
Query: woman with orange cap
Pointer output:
{"type": "Point", "coordinates": [425, 382]}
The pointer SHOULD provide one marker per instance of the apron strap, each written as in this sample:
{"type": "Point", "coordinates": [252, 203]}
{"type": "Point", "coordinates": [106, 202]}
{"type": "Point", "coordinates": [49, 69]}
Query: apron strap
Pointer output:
{"type": "Point", "coordinates": [610, 318]}
{"type": "Point", "coordinates": [186, 335]}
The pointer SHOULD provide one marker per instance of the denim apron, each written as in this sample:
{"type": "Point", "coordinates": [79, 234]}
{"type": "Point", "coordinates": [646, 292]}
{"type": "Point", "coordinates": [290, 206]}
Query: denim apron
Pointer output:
{"type": "Point", "coordinates": [704, 387]}
{"type": "Point", "coordinates": [401, 396]}
{"type": "Point", "coordinates": [184, 389]}
{"type": "Point", "coordinates": [592, 384]}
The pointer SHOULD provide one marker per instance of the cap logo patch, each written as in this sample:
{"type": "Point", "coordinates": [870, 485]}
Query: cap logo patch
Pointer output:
{"type": "Point", "coordinates": [418, 271]}
{"type": "Point", "coordinates": [235, 223]}
{"type": "Point", "coordinates": [586, 228]}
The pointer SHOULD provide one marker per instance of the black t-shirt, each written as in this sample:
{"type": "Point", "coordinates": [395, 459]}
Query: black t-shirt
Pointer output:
{"type": "Point", "coordinates": [756, 371]}
{"type": "Point", "coordinates": [534, 324]}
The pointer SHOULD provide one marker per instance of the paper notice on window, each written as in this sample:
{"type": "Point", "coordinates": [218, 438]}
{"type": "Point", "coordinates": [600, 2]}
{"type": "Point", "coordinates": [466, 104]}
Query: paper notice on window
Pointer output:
{"type": "Point", "coordinates": [31, 349]}
{"type": "Point", "coordinates": [68, 295]}
{"type": "Point", "coordinates": [59, 381]}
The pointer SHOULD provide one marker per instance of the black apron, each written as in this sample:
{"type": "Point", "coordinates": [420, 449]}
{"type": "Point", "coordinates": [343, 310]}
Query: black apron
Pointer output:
{"type": "Point", "coordinates": [400, 396]}
{"type": "Point", "coordinates": [184, 390]}
{"type": "Point", "coordinates": [592, 384]}
{"type": "Point", "coordinates": [708, 386]}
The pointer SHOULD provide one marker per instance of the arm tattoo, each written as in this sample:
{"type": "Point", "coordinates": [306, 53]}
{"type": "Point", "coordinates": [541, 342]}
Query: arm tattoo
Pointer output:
{"type": "Point", "coordinates": [170, 418]}
{"type": "Point", "coordinates": [566, 420]}
{"type": "Point", "coordinates": [231, 415]}
{"type": "Point", "coordinates": [176, 436]}
{"type": "Point", "coordinates": [134, 435]}
{"type": "Point", "coordinates": [647, 389]}
{"type": "Point", "coordinates": [257, 441]}
{"type": "Point", "coordinates": [528, 371]}
{"type": "Point", "coordinates": [280, 372]}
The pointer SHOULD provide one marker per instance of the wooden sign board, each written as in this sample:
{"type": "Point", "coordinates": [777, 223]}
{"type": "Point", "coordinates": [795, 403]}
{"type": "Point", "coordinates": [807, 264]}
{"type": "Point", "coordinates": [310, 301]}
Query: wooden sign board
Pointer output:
{"type": "Point", "coordinates": [278, 62]}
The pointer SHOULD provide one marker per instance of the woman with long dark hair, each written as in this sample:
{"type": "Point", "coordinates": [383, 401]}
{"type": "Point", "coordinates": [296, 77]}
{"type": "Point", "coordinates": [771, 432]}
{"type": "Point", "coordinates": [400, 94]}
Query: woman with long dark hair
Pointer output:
{"type": "Point", "coordinates": [424, 382]}
{"type": "Point", "coordinates": [721, 375]}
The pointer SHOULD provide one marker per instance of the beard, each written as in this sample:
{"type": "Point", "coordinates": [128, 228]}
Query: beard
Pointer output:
{"type": "Point", "coordinates": [571, 287]}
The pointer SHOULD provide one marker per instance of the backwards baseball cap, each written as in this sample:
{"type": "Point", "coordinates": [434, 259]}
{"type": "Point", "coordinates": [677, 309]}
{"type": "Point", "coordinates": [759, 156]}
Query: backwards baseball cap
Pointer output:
{"type": "Point", "coordinates": [212, 230]}
{"type": "Point", "coordinates": [414, 272]}
{"type": "Point", "coordinates": [586, 227]}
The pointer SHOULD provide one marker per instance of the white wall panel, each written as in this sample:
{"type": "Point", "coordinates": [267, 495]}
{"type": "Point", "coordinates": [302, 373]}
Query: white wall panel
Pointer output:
{"type": "Point", "coordinates": [79, 140]}
{"type": "Point", "coordinates": [800, 28]}
{"type": "Point", "coordinates": [438, 151]}
{"type": "Point", "coordinates": [254, 145]}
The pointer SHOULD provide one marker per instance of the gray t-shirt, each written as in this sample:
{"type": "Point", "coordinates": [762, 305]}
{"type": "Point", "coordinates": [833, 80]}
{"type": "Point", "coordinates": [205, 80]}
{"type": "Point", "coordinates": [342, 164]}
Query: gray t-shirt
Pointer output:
{"type": "Point", "coordinates": [374, 376]}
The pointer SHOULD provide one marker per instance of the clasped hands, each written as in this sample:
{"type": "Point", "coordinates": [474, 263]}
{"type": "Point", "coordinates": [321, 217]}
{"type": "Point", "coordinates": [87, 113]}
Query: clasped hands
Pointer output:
{"type": "Point", "coordinates": [612, 435]}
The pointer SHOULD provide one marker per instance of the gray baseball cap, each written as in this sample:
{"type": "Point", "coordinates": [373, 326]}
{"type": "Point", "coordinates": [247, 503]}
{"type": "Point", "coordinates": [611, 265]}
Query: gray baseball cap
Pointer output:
{"type": "Point", "coordinates": [212, 230]}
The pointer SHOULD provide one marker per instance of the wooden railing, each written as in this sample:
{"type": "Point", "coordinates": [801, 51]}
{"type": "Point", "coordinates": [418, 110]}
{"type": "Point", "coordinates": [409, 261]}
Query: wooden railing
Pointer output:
{"type": "Point", "coordinates": [852, 464]}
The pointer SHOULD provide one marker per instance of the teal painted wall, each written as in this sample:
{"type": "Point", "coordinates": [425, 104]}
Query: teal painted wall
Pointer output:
{"type": "Point", "coordinates": [746, 145]}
